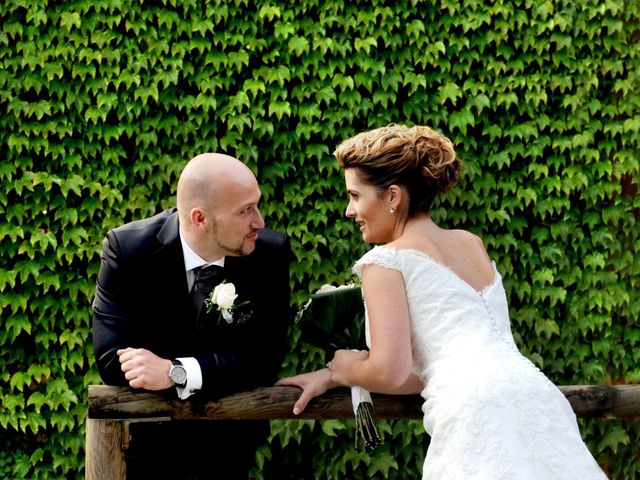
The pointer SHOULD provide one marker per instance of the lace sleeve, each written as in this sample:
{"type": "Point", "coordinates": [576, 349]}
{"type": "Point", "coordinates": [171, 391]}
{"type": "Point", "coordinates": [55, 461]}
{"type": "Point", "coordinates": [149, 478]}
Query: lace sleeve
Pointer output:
{"type": "Point", "coordinates": [385, 257]}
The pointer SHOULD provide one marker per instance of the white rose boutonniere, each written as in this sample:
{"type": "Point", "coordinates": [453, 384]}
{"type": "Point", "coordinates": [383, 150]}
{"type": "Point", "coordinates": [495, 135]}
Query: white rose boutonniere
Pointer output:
{"type": "Point", "coordinates": [223, 298]}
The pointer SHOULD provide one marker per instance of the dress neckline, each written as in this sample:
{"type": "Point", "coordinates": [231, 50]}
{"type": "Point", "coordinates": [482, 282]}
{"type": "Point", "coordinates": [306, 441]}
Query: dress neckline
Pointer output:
{"type": "Point", "coordinates": [424, 256]}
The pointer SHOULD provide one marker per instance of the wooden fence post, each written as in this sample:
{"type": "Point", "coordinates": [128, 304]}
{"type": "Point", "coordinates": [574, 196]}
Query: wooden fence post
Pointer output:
{"type": "Point", "coordinates": [105, 457]}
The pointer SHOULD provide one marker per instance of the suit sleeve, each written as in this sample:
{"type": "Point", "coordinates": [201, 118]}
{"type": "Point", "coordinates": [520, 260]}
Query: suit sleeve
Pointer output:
{"type": "Point", "coordinates": [258, 360]}
{"type": "Point", "coordinates": [110, 324]}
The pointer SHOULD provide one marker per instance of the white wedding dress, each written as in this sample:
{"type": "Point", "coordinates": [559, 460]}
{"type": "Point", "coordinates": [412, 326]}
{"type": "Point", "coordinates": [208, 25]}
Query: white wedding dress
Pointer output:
{"type": "Point", "coordinates": [490, 412]}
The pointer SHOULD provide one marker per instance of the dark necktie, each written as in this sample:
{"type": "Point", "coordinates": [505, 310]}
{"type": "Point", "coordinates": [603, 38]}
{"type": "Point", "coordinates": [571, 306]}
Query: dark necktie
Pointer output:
{"type": "Point", "coordinates": [207, 277]}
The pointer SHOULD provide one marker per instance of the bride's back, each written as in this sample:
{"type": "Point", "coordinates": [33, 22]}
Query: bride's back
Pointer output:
{"type": "Point", "coordinates": [459, 250]}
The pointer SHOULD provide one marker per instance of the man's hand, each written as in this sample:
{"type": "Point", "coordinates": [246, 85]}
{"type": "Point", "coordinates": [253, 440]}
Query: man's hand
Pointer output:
{"type": "Point", "coordinates": [144, 369]}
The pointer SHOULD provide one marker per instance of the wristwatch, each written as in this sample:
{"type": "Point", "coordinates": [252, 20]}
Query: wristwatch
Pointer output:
{"type": "Point", "coordinates": [178, 374]}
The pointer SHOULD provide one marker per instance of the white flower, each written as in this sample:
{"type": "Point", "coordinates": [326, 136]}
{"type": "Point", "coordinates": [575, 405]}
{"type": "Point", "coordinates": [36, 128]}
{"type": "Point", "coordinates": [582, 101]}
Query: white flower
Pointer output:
{"type": "Point", "coordinates": [330, 288]}
{"type": "Point", "coordinates": [224, 295]}
{"type": "Point", "coordinates": [223, 298]}
{"type": "Point", "coordinates": [326, 288]}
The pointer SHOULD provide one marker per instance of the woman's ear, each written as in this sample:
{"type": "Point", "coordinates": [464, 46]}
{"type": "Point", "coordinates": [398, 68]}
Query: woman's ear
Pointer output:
{"type": "Point", "coordinates": [395, 196]}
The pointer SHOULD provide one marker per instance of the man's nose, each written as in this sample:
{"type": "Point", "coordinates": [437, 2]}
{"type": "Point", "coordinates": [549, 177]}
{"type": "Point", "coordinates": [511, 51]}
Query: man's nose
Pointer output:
{"type": "Point", "coordinates": [258, 221]}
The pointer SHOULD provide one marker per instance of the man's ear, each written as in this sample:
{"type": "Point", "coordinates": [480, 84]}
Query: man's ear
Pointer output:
{"type": "Point", "coordinates": [197, 216]}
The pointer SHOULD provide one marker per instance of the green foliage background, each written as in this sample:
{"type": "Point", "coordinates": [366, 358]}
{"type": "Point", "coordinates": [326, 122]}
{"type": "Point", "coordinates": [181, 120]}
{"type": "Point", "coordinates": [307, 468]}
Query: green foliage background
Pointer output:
{"type": "Point", "coordinates": [104, 101]}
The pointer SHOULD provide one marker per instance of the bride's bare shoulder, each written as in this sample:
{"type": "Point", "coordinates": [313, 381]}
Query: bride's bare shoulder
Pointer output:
{"type": "Point", "coordinates": [438, 239]}
{"type": "Point", "coordinates": [470, 243]}
{"type": "Point", "coordinates": [466, 236]}
{"type": "Point", "coordinates": [412, 242]}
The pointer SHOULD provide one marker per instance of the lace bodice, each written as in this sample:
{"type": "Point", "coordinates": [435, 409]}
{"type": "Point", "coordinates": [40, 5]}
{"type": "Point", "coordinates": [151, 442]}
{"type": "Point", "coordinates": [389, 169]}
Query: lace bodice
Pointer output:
{"type": "Point", "coordinates": [490, 412]}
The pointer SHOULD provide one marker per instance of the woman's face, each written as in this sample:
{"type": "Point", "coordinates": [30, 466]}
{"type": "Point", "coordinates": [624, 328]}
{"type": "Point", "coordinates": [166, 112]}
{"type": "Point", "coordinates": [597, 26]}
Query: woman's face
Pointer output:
{"type": "Point", "coordinates": [368, 208]}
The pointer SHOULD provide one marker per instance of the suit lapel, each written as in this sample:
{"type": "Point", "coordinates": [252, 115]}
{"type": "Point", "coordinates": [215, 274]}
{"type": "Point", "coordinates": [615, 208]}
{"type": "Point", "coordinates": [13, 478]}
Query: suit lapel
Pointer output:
{"type": "Point", "coordinates": [170, 258]}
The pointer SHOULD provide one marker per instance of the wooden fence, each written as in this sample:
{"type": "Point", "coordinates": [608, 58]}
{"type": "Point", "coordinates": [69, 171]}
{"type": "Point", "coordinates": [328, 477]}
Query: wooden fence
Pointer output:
{"type": "Point", "coordinates": [112, 410]}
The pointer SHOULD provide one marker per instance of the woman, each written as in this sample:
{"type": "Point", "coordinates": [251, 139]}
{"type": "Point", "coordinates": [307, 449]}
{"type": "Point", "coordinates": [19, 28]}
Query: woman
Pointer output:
{"type": "Point", "coordinates": [438, 325]}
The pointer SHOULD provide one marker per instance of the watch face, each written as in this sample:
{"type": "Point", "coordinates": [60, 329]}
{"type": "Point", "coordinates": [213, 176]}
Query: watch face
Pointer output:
{"type": "Point", "coordinates": [178, 374]}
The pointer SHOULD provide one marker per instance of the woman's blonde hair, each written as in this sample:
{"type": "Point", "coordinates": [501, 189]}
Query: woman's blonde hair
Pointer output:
{"type": "Point", "coordinates": [417, 158]}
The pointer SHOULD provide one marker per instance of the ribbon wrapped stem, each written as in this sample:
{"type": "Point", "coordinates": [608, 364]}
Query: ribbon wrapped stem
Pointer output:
{"type": "Point", "coordinates": [366, 431]}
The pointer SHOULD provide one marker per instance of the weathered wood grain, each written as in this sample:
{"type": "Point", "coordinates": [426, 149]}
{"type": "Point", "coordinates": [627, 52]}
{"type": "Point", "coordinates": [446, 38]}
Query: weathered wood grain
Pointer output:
{"type": "Point", "coordinates": [112, 409]}
{"type": "Point", "coordinates": [104, 454]}
{"type": "Point", "coordinates": [277, 403]}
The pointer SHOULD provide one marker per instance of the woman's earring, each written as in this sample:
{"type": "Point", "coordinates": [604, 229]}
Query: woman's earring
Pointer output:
{"type": "Point", "coordinates": [392, 210]}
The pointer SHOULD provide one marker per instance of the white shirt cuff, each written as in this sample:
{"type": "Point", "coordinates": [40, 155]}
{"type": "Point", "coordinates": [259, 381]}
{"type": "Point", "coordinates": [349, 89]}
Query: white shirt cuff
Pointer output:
{"type": "Point", "coordinates": [194, 377]}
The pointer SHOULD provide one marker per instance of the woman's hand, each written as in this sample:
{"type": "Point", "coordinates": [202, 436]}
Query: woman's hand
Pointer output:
{"type": "Point", "coordinates": [343, 361]}
{"type": "Point", "coordinates": [312, 385]}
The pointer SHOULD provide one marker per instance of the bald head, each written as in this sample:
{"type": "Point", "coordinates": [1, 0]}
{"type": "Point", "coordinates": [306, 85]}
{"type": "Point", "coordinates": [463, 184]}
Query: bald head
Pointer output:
{"type": "Point", "coordinates": [218, 206]}
{"type": "Point", "coordinates": [206, 178]}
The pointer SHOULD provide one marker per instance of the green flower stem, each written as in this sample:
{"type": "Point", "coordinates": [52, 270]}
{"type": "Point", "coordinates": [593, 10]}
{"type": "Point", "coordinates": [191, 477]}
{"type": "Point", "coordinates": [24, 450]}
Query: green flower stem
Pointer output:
{"type": "Point", "coordinates": [366, 428]}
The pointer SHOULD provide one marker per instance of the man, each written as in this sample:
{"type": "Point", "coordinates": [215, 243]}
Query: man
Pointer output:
{"type": "Point", "coordinates": [151, 328]}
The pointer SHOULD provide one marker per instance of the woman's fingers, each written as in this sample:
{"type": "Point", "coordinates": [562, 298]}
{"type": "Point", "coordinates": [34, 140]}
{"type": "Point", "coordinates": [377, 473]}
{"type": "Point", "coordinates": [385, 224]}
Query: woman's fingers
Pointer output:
{"type": "Point", "coordinates": [312, 384]}
{"type": "Point", "coordinates": [304, 397]}
{"type": "Point", "coordinates": [292, 381]}
{"type": "Point", "coordinates": [302, 402]}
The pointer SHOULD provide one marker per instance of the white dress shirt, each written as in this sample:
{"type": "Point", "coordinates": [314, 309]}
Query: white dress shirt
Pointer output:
{"type": "Point", "coordinates": [194, 373]}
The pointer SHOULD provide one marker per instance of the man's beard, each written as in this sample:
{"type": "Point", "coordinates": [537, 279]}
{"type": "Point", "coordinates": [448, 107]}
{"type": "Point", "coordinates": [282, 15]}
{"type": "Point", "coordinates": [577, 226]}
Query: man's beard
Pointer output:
{"type": "Point", "coordinates": [238, 251]}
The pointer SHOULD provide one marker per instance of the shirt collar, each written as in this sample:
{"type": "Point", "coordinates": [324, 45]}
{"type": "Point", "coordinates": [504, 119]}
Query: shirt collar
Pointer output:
{"type": "Point", "coordinates": [191, 259]}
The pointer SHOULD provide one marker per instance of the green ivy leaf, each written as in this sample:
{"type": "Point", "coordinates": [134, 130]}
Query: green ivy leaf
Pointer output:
{"type": "Point", "coordinates": [451, 92]}
{"type": "Point", "coordinates": [329, 427]}
{"type": "Point", "coordinates": [270, 12]}
{"type": "Point", "coordinates": [381, 463]}
{"type": "Point", "coordinates": [69, 20]}
{"type": "Point", "coordinates": [37, 400]}
{"type": "Point", "coordinates": [613, 439]}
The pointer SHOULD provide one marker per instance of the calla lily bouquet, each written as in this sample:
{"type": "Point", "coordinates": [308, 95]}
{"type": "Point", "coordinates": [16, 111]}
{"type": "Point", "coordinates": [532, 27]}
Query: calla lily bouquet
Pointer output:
{"type": "Point", "coordinates": [332, 319]}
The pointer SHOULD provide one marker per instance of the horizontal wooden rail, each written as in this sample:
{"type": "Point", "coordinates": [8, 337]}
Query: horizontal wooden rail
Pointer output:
{"type": "Point", "coordinates": [113, 410]}
{"type": "Point", "coordinates": [277, 403]}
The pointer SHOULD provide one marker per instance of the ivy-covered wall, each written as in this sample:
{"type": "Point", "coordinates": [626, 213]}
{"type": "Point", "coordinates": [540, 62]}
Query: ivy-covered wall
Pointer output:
{"type": "Point", "coordinates": [104, 101]}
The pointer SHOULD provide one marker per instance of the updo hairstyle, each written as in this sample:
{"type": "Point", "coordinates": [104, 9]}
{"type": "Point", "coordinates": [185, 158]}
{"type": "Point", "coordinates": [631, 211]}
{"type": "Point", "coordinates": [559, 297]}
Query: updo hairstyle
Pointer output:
{"type": "Point", "coordinates": [417, 158]}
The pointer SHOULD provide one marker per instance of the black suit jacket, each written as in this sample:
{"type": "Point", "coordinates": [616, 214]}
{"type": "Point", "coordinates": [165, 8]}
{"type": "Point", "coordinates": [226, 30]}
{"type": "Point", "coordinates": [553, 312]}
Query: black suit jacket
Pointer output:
{"type": "Point", "coordinates": [142, 301]}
